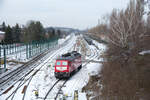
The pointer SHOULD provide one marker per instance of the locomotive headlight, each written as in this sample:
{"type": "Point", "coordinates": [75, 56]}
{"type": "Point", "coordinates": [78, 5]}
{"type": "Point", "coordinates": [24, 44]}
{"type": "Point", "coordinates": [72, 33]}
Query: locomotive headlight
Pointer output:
{"type": "Point", "coordinates": [61, 68]}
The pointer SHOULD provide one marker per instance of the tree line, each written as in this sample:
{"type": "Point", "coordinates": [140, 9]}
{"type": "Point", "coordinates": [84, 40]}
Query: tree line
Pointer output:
{"type": "Point", "coordinates": [32, 31]}
{"type": "Point", "coordinates": [12, 34]}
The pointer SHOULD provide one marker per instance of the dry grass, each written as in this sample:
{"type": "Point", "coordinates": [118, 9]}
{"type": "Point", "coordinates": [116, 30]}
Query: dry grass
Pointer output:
{"type": "Point", "coordinates": [93, 86]}
{"type": "Point", "coordinates": [126, 73]}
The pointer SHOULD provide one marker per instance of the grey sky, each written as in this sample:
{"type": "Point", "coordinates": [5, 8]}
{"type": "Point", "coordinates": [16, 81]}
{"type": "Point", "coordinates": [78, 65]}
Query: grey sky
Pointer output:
{"type": "Point", "coordinates": [64, 13]}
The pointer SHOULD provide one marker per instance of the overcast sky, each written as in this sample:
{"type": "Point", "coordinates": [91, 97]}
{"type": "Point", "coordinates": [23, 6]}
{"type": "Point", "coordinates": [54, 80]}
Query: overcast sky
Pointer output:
{"type": "Point", "coordinates": [79, 14]}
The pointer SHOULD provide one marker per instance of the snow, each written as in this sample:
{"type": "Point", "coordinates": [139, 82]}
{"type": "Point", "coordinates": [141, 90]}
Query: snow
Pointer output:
{"type": "Point", "coordinates": [44, 79]}
{"type": "Point", "coordinates": [93, 68]}
{"type": "Point", "coordinates": [82, 96]}
{"type": "Point", "coordinates": [145, 52]}
{"type": "Point", "coordinates": [101, 46]}
{"type": "Point", "coordinates": [1, 32]}
{"type": "Point", "coordinates": [61, 41]}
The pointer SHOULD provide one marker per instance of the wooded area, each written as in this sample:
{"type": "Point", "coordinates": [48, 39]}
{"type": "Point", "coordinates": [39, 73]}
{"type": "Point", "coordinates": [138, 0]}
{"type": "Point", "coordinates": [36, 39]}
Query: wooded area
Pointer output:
{"type": "Point", "coordinates": [32, 31]}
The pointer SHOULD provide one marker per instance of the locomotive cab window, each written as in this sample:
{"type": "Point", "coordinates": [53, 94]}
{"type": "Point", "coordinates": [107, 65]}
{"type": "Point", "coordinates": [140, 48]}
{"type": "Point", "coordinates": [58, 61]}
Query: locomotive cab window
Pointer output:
{"type": "Point", "coordinates": [64, 63]}
{"type": "Point", "coordinates": [58, 63]}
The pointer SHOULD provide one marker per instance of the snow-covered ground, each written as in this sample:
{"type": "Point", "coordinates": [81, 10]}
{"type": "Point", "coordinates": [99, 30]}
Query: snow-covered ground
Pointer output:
{"type": "Point", "coordinates": [44, 79]}
{"type": "Point", "coordinates": [145, 52]}
{"type": "Point", "coordinates": [61, 41]}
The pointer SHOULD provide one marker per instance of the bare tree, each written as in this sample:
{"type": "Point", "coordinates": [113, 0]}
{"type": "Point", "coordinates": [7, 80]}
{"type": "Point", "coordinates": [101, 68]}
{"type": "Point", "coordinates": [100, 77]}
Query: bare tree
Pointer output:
{"type": "Point", "coordinates": [127, 26]}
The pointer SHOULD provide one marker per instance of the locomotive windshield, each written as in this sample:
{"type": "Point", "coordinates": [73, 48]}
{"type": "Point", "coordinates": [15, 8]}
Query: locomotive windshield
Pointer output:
{"type": "Point", "coordinates": [64, 63]}
{"type": "Point", "coordinates": [58, 63]}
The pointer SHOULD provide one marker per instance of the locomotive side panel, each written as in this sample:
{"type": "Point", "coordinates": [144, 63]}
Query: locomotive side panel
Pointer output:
{"type": "Point", "coordinates": [75, 64]}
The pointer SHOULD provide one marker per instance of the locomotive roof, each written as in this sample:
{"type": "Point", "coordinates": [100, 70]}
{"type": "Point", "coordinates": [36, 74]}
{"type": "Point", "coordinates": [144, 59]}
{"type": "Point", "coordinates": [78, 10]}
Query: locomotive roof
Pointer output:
{"type": "Point", "coordinates": [70, 56]}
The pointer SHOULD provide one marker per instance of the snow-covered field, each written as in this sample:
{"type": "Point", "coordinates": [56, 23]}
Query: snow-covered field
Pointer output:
{"type": "Point", "coordinates": [44, 79]}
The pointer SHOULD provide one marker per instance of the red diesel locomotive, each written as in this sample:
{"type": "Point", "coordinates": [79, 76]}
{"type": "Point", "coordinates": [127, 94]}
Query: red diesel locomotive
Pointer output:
{"type": "Point", "coordinates": [67, 64]}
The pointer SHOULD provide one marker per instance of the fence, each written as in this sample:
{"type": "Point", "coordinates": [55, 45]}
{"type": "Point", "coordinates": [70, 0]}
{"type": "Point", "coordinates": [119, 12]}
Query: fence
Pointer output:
{"type": "Point", "coordinates": [24, 50]}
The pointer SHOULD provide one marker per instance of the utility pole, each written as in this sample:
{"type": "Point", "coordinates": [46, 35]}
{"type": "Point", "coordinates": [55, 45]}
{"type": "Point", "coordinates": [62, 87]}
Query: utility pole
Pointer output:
{"type": "Point", "coordinates": [27, 51]}
{"type": "Point", "coordinates": [0, 56]}
{"type": "Point", "coordinates": [4, 58]}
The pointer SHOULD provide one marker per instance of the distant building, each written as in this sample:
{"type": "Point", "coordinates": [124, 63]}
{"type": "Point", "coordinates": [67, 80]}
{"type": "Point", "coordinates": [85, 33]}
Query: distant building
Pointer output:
{"type": "Point", "coordinates": [2, 35]}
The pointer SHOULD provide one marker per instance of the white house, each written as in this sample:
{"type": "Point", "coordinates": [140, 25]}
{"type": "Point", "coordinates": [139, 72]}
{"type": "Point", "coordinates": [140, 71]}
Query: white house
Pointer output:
{"type": "Point", "coordinates": [2, 35]}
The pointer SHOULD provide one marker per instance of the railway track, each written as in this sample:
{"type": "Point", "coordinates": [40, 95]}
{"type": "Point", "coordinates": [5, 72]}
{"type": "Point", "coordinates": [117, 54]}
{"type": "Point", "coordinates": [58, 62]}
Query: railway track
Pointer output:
{"type": "Point", "coordinates": [57, 83]}
{"type": "Point", "coordinates": [14, 76]}
{"type": "Point", "coordinates": [21, 83]}
{"type": "Point", "coordinates": [51, 89]}
{"type": "Point", "coordinates": [14, 92]}
{"type": "Point", "coordinates": [29, 78]}
{"type": "Point", "coordinates": [93, 55]}
{"type": "Point", "coordinates": [54, 88]}
{"type": "Point", "coordinates": [54, 91]}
